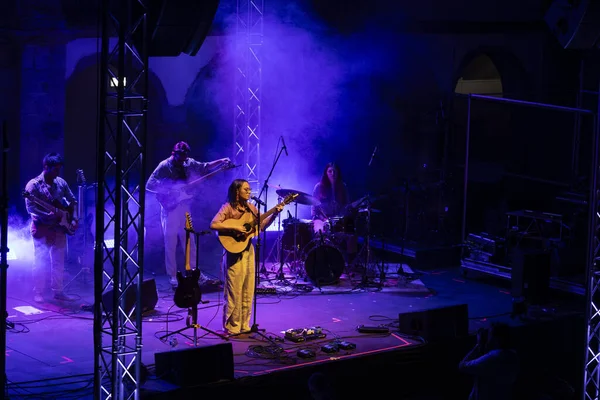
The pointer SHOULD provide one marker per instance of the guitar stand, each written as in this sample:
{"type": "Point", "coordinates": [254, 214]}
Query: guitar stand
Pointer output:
{"type": "Point", "coordinates": [192, 323]}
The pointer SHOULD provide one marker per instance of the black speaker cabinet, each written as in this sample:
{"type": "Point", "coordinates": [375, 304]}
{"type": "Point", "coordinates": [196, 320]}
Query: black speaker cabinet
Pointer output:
{"type": "Point", "coordinates": [437, 323]}
{"type": "Point", "coordinates": [149, 296]}
{"type": "Point", "coordinates": [530, 275]}
{"type": "Point", "coordinates": [196, 365]}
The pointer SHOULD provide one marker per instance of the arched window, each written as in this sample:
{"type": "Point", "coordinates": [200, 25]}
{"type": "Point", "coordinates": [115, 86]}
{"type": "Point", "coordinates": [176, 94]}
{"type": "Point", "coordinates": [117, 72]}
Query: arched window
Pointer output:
{"type": "Point", "coordinates": [480, 76]}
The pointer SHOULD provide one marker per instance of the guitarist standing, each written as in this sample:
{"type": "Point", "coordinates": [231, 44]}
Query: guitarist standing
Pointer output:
{"type": "Point", "coordinates": [239, 268]}
{"type": "Point", "coordinates": [168, 183]}
{"type": "Point", "coordinates": [49, 238]}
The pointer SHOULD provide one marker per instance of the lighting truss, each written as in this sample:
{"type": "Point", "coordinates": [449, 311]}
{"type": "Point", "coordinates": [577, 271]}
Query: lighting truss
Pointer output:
{"type": "Point", "coordinates": [248, 86]}
{"type": "Point", "coordinates": [120, 199]}
{"type": "Point", "coordinates": [591, 388]}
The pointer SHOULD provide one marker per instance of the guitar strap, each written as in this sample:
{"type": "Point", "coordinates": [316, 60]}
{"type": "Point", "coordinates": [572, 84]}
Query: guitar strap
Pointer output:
{"type": "Point", "coordinates": [44, 190]}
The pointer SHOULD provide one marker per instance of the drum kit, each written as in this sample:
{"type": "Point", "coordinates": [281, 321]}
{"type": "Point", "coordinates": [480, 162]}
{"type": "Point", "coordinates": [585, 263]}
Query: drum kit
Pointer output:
{"type": "Point", "coordinates": [320, 249]}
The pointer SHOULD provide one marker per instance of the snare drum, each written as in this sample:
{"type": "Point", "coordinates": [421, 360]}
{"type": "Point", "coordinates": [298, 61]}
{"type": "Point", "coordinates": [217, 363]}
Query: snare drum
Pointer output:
{"type": "Point", "coordinates": [340, 225]}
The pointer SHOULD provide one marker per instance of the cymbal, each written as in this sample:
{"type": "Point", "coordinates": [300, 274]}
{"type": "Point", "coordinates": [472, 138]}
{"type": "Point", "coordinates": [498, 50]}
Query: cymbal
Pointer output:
{"type": "Point", "coordinates": [303, 198]}
{"type": "Point", "coordinates": [273, 186]}
{"type": "Point", "coordinates": [373, 210]}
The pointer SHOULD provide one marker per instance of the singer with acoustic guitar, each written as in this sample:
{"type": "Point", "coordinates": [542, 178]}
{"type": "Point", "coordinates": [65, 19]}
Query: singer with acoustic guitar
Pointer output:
{"type": "Point", "coordinates": [236, 222]}
{"type": "Point", "coordinates": [176, 181]}
{"type": "Point", "coordinates": [52, 207]}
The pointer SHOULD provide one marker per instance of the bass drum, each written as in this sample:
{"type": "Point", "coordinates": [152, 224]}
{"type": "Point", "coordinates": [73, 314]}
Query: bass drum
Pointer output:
{"type": "Point", "coordinates": [323, 262]}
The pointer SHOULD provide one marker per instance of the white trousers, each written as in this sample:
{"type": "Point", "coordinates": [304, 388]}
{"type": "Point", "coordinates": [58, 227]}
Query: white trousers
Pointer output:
{"type": "Point", "coordinates": [49, 256]}
{"type": "Point", "coordinates": [239, 272]}
{"type": "Point", "coordinates": [173, 226]}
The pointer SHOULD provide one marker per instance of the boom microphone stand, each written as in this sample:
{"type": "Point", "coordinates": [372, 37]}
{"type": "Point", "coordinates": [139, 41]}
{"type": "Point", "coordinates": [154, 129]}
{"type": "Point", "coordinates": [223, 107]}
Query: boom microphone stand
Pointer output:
{"type": "Point", "coordinates": [254, 328]}
{"type": "Point", "coordinates": [265, 190]}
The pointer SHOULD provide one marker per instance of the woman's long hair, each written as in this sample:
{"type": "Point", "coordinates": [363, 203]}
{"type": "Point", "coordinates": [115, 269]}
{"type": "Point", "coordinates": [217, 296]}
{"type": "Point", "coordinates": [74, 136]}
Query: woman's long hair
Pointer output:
{"type": "Point", "coordinates": [232, 192]}
{"type": "Point", "coordinates": [325, 187]}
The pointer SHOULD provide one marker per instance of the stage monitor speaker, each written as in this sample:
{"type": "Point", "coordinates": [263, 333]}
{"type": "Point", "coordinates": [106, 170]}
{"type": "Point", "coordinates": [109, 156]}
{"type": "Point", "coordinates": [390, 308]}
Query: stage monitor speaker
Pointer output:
{"type": "Point", "coordinates": [530, 274]}
{"type": "Point", "coordinates": [575, 23]}
{"type": "Point", "coordinates": [437, 323]}
{"type": "Point", "coordinates": [176, 26]}
{"type": "Point", "coordinates": [149, 296]}
{"type": "Point", "coordinates": [196, 365]}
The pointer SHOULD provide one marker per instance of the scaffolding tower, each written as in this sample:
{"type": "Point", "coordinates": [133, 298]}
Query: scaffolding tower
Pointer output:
{"type": "Point", "coordinates": [119, 240]}
{"type": "Point", "coordinates": [248, 88]}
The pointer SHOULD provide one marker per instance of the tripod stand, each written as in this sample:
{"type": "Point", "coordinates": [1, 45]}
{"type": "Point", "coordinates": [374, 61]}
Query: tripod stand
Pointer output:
{"type": "Point", "coordinates": [188, 288]}
{"type": "Point", "coordinates": [84, 258]}
{"type": "Point", "coordinates": [191, 322]}
{"type": "Point", "coordinates": [367, 250]}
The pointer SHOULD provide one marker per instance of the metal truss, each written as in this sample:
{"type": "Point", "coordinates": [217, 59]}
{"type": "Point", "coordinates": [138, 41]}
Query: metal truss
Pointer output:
{"type": "Point", "coordinates": [591, 389]}
{"type": "Point", "coordinates": [119, 240]}
{"type": "Point", "coordinates": [248, 86]}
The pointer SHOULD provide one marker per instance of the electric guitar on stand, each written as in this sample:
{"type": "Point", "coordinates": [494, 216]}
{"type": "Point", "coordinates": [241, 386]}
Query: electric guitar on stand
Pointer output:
{"type": "Point", "coordinates": [188, 292]}
{"type": "Point", "coordinates": [236, 242]}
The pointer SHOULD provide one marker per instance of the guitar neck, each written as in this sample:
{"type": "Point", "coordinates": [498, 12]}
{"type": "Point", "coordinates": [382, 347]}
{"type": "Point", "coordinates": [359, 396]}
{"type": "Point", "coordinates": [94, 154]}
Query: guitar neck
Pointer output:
{"type": "Point", "coordinates": [268, 213]}
{"type": "Point", "coordinates": [42, 203]}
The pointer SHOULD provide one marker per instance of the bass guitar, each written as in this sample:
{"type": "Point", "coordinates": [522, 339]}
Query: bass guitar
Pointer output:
{"type": "Point", "coordinates": [185, 191]}
{"type": "Point", "coordinates": [236, 242]}
{"type": "Point", "coordinates": [188, 292]}
{"type": "Point", "coordinates": [65, 214]}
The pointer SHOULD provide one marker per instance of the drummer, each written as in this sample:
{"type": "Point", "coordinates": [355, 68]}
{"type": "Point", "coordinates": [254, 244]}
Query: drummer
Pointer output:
{"type": "Point", "coordinates": [332, 194]}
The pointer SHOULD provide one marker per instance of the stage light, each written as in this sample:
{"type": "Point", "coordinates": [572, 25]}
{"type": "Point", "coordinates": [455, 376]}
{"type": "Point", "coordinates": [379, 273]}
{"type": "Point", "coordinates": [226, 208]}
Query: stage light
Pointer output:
{"type": "Point", "coordinates": [114, 82]}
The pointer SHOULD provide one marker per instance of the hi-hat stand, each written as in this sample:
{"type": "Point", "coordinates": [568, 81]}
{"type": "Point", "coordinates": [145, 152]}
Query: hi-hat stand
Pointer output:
{"type": "Point", "coordinates": [191, 320]}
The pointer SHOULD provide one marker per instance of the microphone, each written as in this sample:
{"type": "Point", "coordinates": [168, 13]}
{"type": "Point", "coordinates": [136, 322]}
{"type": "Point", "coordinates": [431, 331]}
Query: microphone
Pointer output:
{"type": "Point", "coordinates": [284, 146]}
{"type": "Point", "coordinates": [258, 201]}
{"type": "Point", "coordinates": [373, 155]}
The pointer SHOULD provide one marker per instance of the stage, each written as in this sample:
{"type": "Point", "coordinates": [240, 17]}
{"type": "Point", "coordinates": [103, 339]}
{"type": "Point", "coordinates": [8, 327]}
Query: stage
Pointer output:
{"type": "Point", "coordinates": [50, 352]}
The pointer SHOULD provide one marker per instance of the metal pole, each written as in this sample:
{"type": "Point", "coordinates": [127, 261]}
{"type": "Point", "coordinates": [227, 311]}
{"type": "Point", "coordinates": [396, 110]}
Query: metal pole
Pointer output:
{"type": "Point", "coordinates": [531, 104]}
{"type": "Point", "coordinates": [4, 257]}
{"type": "Point", "coordinates": [466, 177]}
{"type": "Point", "coordinates": [592, 348]}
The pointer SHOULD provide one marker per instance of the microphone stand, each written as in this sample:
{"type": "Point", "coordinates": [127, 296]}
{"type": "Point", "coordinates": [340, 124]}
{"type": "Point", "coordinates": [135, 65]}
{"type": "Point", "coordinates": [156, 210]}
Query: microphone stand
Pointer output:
{"type": "Point", "coordinates": [254, 328]}
{"type": "Point", "coordinates": [4, 256]}
{"type": "Point", "coordinates": [265, 189]}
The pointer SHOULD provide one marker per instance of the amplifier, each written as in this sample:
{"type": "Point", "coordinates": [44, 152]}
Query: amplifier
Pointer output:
{"type": "Point", "coordinates": [485, 247]}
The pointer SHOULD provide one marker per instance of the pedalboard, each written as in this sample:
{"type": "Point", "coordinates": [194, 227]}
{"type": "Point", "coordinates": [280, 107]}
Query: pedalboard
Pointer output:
{"type": "Point", "coordinates": [266, 290]}
{"type": "Point", "coordinates": [373, 329]}
{"type": "Point", "coordinates": [304, 334]}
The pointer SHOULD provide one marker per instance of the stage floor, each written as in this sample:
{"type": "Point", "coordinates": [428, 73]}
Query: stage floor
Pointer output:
{"type": "Point", "coordinates": [52, 342]}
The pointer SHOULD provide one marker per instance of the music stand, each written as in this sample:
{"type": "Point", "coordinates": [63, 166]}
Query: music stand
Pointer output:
{"type": "Point", "coordinates": [192, 317]}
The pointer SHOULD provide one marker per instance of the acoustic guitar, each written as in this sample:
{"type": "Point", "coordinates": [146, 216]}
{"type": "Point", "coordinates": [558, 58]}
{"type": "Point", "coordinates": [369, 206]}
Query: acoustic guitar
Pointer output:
{"type": "Point", "coordinates": [188, 292]}
{"type": "Point", "coordinates": [236, 242]}
{"type": "Point", "coordinates": [185, 191]}
{"type": "Point", "coordinates": [65, 214]}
